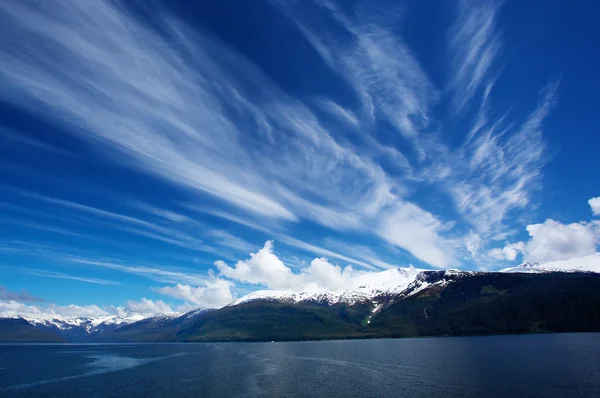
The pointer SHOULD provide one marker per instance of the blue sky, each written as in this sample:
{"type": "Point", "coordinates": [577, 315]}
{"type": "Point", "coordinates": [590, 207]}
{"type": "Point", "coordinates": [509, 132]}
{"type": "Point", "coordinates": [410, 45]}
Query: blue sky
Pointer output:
{"type": "Point", "coordinates": [159, 157]}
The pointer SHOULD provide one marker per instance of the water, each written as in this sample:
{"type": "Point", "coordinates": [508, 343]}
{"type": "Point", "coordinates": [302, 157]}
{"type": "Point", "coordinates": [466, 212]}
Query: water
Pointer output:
{"type": "Point", "coordinates": [500, 366]}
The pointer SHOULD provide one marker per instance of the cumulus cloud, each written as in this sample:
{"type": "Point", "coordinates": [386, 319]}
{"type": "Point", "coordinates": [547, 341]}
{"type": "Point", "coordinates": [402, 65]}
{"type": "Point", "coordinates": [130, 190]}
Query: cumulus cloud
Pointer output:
{"type": "Point", "coordinates": [552, 241]}
{"type": "Point", "coordinates": [16, 308]}
{"type": "Point", "coordinates": [509, 252]}
{"type": "Point", "coordinates": [595, 205]}
{"type": "Point", "coordinates": [265, 268]}
{"type": "Point", "coordinates": [214, 294]}
{"type": "Point", "coordinates": [144, 307]}
{"type": "Point", "coordinates": [321, 274]}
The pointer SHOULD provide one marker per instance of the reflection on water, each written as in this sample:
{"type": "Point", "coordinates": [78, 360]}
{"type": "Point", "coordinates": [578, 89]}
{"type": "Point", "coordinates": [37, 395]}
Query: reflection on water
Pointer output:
{"type": "Point", "coordinates": [101, 363]}
{"type": "Point", "coordinates": [495, 366]}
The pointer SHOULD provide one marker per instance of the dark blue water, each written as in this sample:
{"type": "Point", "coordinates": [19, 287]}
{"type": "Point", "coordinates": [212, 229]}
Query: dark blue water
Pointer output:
{"type": "Point", "coordinates": [496, 366]}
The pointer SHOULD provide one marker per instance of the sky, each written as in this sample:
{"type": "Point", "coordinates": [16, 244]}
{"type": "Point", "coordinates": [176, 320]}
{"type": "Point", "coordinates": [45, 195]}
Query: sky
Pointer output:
{"type": "Point", "coordinates": [159, 157]}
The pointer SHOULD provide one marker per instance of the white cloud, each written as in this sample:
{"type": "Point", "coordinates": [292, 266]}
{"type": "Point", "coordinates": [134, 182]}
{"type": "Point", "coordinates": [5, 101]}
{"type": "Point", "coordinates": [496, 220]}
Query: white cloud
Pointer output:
{"type": "Point", "coordinates": [153, 273]}
{"type": "Point", "coordinates": [214, 294]}
{"type": "Point", "coordinates": [497, 169]}
{"type": "Point", "coordinates": [174, 236]}
{"type": "Point", "coordinates": [504, 169]}
{"type": "Point", "coordinates": [346, 115]}
{"type": "Point", "coordinates": [509, 252]}
{"type": "Point", "coordinates": [376, 63]}
{"type": "Point", "coordinates": [368, 263]}
{"type": "Point", "coordinates": [595, 205]}
{"type": "Point", "coordinates": [553, 241]}
{"type": "Point", "coordinates": [196, 113]}
{"type": "Point", "coordinates": [23, 140]}
{"type": "Point", "coordinates": [15, 308]}
{"type": "Point", "coordinates": [473, 243]}
{"type": "Point", "coordinates": [418, 232]}
{"type": "Point", "coordinates": [366, 253]}
{"type": "Point", "coordinates": [146, 307]}
{"type": "Point", "coordinates": [265, 268]}
{"type": "Point", "coordinates": [474, 43]}
{"type": "Point", "coordinates": [167, 121]}
{"type": "Point", "coordinates": [60, 275]}
{"type": "Point", "coordinates": [224, 238]}
{"type": "Point", "coordinates": [321, 274]}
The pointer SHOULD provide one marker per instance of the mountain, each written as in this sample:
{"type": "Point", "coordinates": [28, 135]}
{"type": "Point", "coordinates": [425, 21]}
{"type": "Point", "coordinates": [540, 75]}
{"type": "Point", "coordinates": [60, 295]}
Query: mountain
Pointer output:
{"type": "Point", "coordinates": [395, 303]}
{"type": "Point", "coordinates": [582, 264]}
{"type": "Point", "coordinates": [80, 329]}
{"type": "Point", "coordinates": [162, 327]}
{"type": "Point", "coordinates": [363, 287]}
{"type": "Point", "coordinates": [21, 330]}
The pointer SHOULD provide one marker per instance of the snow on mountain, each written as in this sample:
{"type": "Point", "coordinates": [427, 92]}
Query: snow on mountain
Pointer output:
{"type": "Point", "coordinates": [164, 316]}
{"type": "Point", "coordinates": [581, 264]}
{"type": "Point", "coordinates": [364, 287]}
{"type": "Point", "coordinates": [91, 325]}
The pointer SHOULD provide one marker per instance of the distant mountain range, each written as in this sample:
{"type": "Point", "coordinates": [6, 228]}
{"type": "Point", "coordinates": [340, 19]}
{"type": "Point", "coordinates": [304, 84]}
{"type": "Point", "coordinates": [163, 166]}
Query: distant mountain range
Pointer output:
{"type": "Point", "coordinates": [550, 297]}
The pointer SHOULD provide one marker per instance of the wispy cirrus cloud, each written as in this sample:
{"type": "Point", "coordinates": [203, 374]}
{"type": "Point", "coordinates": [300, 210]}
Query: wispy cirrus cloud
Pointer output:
{"type": "Point", "coordinates": [343, 114]}
{"type": "Point", "coordinates": [197, 114]}
{"type": "Point", "coordinates": [176, 234]}
{"type": "Point", "coordinates": [183, 111]}
{"type": "Point", "coordinates": [110, 38]}
{"type": "Point", "coordinates": [378, 65]}
{"type": "Point", "coordinates": [475, 44]}
{"type": "Point", "coordinates": [154, 273]}
{"type": "Point", "coordinates": [9, 137]}
{"type": "Point", "coordinates": [504, 169]}
{"type": "Point", "coordinates": [58, 275]}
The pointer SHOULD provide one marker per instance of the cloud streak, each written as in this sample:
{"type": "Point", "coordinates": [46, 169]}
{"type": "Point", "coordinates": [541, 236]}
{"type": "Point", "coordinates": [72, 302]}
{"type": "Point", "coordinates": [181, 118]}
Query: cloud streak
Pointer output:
{"type": "Point", "coordinates": [182, 110]}
{"type": "Point", "coordinates": [196, 115]}
{"type": "Point", "coordinates": [475, 45]}
{"type": "Point", "coordinates": [58, 275]}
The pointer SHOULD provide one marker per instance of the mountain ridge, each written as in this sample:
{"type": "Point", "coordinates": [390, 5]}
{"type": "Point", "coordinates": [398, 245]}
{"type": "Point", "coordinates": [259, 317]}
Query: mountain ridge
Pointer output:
{"type": "Point", "coordinates": [353, 312]}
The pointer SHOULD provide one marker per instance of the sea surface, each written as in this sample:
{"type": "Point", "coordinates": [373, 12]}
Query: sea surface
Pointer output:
{"type": "Point", "coordinates": [553, 365]}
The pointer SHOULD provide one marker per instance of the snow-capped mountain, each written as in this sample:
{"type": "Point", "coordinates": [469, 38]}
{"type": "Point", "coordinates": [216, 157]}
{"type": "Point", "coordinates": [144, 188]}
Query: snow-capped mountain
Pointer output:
{"type": "Point", "coordinates": [367, 287]}
{"type": "Point", "coordinates": [405, 282]}
{"type": "Point", "coordinates": [89, 324]}
{"type": "Point", "coordinates": [581, 264]}
{"type": "Point", "coordinates": [393, 303]}
{"type": "Point", "coordinates": [378, 291]}
{"type": "Point", "coordinates": [82, 328]}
